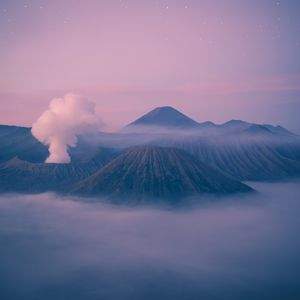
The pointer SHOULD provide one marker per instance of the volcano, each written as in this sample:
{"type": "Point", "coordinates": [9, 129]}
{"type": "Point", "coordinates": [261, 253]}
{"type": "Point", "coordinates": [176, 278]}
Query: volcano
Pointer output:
{"type": "Point", "coordinates": [165, 116]}
{"type": "Point", "coordinates": [147, 172]}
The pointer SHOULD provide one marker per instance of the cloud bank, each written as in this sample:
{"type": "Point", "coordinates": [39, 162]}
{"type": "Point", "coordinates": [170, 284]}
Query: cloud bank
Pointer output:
{"type": "Point", "coordinates": [60, 124]}
{"type": "Point", "coordinates": [246, 248]}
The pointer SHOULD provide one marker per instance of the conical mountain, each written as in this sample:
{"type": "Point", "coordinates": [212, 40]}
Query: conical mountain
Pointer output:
{"type": "Point", "coordinates": [149, 172]}
{"type": "Point", "coordinates": [165, 116]}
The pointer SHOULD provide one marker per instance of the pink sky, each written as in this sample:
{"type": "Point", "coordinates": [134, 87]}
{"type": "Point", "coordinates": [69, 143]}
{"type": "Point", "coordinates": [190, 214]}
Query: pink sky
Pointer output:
{"type": "Point", "coordinates": [214, 60]}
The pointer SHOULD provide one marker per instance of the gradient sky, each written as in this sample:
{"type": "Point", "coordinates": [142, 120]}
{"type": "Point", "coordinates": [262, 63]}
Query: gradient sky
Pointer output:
{"type": "Point", "coordinates": [214, 60]}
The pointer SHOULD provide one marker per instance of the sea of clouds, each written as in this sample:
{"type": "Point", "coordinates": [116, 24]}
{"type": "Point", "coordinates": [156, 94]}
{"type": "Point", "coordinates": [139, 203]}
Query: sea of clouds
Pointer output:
{"type": "Point", "coordinates": [237, 248]}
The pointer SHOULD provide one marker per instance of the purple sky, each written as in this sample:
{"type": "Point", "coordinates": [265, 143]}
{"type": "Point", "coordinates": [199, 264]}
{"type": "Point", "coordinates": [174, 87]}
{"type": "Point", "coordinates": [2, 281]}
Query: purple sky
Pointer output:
{"type": "Point", "coordinates": [214, 60]}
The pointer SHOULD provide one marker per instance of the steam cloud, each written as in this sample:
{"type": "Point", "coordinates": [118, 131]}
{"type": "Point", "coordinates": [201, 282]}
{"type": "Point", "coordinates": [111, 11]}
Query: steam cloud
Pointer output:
{"type": "Point", "coordinates": [59, 126]}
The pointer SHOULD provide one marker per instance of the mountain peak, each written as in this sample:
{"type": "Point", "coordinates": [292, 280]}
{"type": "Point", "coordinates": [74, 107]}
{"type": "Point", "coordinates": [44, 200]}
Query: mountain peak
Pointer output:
{"type": "Point", "coordinates": [279, 130]}
{"type": "Point", "coordinates": [236, 124]}
{"type": "Point", "coordinates": [165, 116]}
{"type": "Point", "coordinates": [257, 129]}
{"type": "Point", "coordinates": [165, 108]}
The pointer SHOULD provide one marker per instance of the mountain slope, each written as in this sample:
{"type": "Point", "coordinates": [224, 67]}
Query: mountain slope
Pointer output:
{"type": "Point", "coordinates": [165, 116]}
{"type": "Point", "coordinates": [279, 130]}
{"type": "Point", "coordinates": [239, 126]}
{"type": "Point", "coordinates": [258, 130]}
{"type": "Point", "coordinates": [157, 172]}
{"type": "Point", "coordinates": [21, 176]}
{"type": "Point", "coordinates": [236, 124]}
{"type": "Point", "coordinates": [18, 141]}
{"type": "Point", "coordinates": [244, 158]}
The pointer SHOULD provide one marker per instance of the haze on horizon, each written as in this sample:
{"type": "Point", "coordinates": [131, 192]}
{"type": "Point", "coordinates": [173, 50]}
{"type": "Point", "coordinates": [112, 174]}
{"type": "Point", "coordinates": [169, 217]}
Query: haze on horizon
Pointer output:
{"type": "Point", "coordinates": [213, 60]}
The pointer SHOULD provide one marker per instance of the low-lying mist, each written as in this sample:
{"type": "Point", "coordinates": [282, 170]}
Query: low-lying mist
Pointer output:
{"type": "Point", "coordinates": [53, 248]}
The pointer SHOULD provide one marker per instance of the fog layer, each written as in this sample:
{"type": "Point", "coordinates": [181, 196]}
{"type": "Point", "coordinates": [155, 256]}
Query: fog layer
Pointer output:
{"type": "Point", "coordinates": [52, 248]}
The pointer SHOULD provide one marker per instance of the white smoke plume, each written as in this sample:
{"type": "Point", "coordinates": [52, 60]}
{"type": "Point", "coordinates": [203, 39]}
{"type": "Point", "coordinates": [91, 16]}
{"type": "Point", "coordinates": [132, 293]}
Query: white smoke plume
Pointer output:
{"type": "Point", "coordinates": [60, 124]}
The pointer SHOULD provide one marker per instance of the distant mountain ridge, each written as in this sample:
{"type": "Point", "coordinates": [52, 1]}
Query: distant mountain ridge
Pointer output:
{"type": "Point", "coordinates": [245, 158]}
{"type": "Point", "coordinates": [167, 117]}
{"type": "Point", "coordinates": [235, 149]}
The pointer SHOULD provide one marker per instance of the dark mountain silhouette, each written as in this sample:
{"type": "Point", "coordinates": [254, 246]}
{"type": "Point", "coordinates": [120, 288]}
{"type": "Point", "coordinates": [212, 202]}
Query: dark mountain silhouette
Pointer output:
{"type": "Point", "coordinates": [246, 158]}
{"type": "Point", "coordinates": [157, 172]}
{"type": "Point", "coordinates": [255, 129]}
{"type": "Point", "coordinates": [236, 124]}
{"type": "Point", "coordinates": [165, 116]}
{"type": "Point", "coordinates": [279, 130]}
{"type": "Point", "coordinates": [243, 150]}
{"type": "Point", "coordinates": [18, 141]}
{"type": "Point", "coordinates": [207, 124]}
{"type": "Point", "coordinates": [23, 176]}
{"type": "Point", "coordinates": [252, 128]}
